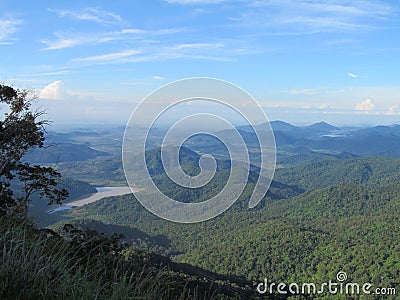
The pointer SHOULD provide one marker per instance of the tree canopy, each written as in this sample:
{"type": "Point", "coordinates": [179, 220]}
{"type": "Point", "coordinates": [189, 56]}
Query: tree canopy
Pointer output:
{"type": "Point", "coordinates": [21, 130]}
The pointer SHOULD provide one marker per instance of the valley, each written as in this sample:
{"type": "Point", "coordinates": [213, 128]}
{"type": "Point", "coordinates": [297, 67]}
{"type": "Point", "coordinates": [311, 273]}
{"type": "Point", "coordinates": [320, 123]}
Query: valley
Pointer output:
{"type": "Point", "coordinates": [332, 206]}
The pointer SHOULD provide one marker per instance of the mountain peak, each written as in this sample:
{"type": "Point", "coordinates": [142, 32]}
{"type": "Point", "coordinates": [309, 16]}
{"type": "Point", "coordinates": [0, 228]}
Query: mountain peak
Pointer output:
{"type": "Point", "coordinates": [322, 126]}
{"type": "Point", "coordinates": [281, 126]}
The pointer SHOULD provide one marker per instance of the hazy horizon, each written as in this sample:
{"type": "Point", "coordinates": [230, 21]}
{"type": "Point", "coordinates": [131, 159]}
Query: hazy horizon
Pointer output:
{"type": "Point", "coordinates": [107, 126]}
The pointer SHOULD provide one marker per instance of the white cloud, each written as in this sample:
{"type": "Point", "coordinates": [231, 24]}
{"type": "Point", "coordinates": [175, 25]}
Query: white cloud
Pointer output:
{"type": "Point", "coordinates": [352, 75]}
{"type": "Point", "coordinates": [303, 17]}
{"type": "Point", "coordinates": [91, 15]}
{"type": "Point", "coordinates": [156, 52]}
{"type": "Point", "coordinates": [44, 74]}
{"type": "Point", "coordinates": [135, 31]}
{"type": "Point", "coordinates": [7, 28]}
{"type": "Point", "coordinates": [51, 91]}
{"type": "Point", "coordinates": [110, 56]}
{"type": "Point", "coordinates": [62, 43]}
{"type": "Point", "coordinates": [324, 106]}
{"type": "Point", "coordinates": [71, 39]}
{"type": "Point", "coordinates": [156, 77]}
{"type": "Point", "coordinates": [366, 105]}
{"type": "Point", "coordinates": [393, 110]}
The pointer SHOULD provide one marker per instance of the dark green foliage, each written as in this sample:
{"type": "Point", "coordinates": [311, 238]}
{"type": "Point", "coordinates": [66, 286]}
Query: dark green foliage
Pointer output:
{"type": "Point", "coordinates": [189, 161]}
{"type": "Point", "coordinates": [82, 264]}
{"type": "Point", "coordinates": [309, 237]}
{"type": "Point", "coordinates": [62, 152]}
{"type": "Point", "coordinates": [77, 188]}
{"type": "Point", "coordinates": [322, 173]}
{"type": "Point", "coordinates": [103, 170]}
{"type": "Point", "coordinates": [21, 130]}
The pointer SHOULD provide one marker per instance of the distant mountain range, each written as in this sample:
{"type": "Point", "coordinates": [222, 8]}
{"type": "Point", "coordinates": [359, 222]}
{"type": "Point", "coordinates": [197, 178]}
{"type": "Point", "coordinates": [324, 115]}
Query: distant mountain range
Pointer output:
{"type": "Point", "coordinates": [325, 138]}
{"type": "Point", "coordinates": [323, 128]}
{"type": "Point", "coordinates": [316, 127]}
{"type": "Point", "coordinates": [92, 155]}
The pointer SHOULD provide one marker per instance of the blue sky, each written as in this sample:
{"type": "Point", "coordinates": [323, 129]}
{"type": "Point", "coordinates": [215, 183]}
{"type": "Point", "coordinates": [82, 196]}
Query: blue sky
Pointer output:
{"type": "Point", "coordinates": [304, 61]}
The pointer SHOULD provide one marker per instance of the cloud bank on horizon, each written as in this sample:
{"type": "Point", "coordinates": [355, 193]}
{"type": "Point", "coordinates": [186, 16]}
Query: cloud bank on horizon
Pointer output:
{"type": "Point", "coordinates": [302, 60]}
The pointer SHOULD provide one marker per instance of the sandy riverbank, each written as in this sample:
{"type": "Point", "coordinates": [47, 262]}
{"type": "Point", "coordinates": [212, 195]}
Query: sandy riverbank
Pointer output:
{"type": "Point", "coordinates": [102, 192]}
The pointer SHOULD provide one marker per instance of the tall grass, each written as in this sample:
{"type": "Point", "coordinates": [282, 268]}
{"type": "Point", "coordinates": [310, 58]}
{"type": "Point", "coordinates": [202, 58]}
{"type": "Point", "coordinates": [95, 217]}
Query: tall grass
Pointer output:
{"type": "Point", "coordinates": [36, 267]}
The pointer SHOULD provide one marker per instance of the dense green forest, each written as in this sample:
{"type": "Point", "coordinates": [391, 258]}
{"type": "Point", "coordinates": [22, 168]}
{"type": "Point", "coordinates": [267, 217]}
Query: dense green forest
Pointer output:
{"type": "Point", "coordinates": [78, 264]}
{"type": "Point", "coordinates": [314, 235]}
{"type": "Point", "coordinates": [370, 171]}
{"type": "Point", "coordinates": [63, 152]}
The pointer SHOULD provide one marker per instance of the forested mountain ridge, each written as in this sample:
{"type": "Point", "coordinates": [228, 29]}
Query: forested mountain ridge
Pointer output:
{"type": "Point", "coordinates": [321, 173]}
{"type": "Point", "coordinates": [189, 162]}
{"type": "Point", "coordinates": [313, 235]}
{"type": "Point", "coordinates": [89, 265]}
{"type": "Point", "coordinates": [63, 152]}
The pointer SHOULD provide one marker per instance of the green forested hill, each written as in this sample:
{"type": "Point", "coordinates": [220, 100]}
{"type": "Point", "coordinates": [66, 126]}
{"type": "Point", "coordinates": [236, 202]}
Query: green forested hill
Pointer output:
{"type": "Point", "coordinates": [321, 173]}
{"type": "Point", "coordinates": [84, 264]}
{"type": "Point", "coordinates": [100, 171]}
{"type": "Point", "coordinates": [63, 152]}
{"type": "Point", "coordinates": [347, 228]}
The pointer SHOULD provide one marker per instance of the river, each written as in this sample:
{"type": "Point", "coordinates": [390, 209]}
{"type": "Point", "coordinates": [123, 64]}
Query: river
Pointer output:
{"type": "Point", "coordinates": [102, 192]}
